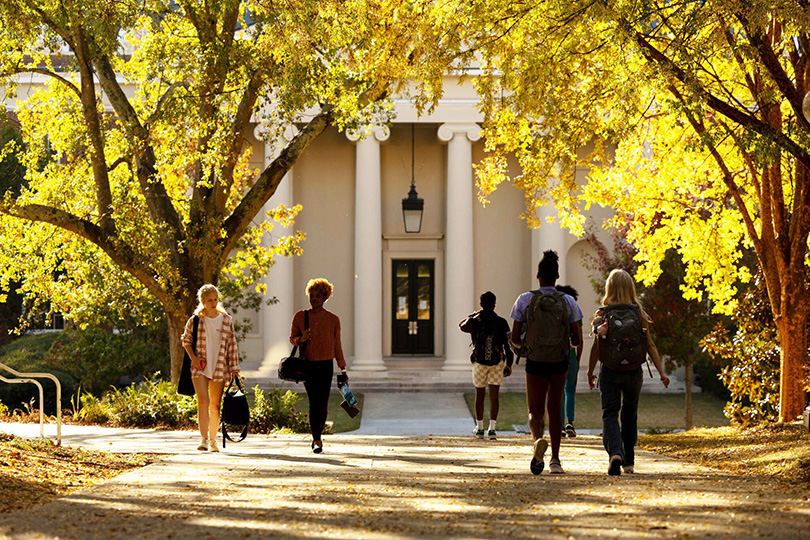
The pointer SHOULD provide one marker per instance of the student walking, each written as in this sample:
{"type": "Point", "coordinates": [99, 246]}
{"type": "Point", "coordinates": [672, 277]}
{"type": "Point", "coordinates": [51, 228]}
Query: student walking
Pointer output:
{"type": "Point", "coordinates": [551, 319]}
{"type": "Point", "coordinates": [622, 343]}
{"type": "Point", "coordinates": [574, 356]}
{"type": "Point", "coordinates": [214, 361]}
{"type": "Point", "coordinates": [319, 329]}
{"type": "Point", "coordinates": [492, 360]}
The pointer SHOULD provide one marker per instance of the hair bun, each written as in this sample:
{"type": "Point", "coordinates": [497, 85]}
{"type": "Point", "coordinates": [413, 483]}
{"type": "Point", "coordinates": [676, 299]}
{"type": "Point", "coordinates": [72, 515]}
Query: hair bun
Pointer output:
{"type": "Point", "coordinates": [550, 255]}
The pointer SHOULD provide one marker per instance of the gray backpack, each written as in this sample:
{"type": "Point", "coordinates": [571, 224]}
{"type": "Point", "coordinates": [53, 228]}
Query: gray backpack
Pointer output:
{"type": "Point", "coordinates": [547, 328]}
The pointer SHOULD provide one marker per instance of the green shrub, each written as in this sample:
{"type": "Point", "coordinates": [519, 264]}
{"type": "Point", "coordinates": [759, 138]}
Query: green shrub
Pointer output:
{"type": "Point", "coordinates": [274, 410]}
{"type": "Point", "coordinates": [151, 403]}
{"type": "Point", "coordinates": [92, 410]}
{"type": "Point", "coordinates": [749, 352]}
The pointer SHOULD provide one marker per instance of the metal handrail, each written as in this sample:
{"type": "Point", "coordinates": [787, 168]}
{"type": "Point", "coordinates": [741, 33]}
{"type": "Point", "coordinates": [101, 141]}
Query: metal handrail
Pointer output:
{"type": "Point", "coordinates": [58, 396]}
{"type": "Point", "coordinates": [41, 400]}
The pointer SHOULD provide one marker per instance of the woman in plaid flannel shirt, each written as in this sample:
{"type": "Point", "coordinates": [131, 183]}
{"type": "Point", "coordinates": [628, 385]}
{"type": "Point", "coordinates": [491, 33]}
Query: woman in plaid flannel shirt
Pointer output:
{"type": "Point", "coordinates": [214, 362]}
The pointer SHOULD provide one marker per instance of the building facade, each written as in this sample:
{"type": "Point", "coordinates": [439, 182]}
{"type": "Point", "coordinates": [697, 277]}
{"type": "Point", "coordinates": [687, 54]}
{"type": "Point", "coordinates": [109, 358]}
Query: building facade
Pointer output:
{"type": "Point", "coordinates": [401, 295]}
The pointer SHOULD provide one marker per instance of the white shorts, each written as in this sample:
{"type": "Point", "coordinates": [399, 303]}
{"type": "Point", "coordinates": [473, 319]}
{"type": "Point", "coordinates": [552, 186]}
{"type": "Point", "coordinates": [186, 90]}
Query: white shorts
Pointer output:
{"type": "Point", "coordinates": [486, 375]}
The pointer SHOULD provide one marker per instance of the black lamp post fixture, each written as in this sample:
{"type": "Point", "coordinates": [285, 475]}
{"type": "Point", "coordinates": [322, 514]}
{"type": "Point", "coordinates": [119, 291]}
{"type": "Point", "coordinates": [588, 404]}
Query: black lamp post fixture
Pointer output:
{"type": "Point", "coordinates": [412, 205]}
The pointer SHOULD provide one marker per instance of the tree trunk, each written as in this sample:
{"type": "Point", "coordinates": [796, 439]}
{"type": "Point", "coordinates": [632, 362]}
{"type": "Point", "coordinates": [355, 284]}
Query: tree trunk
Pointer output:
{"type": "Point", "coordinates": [176, 326]}
{"type": "Point", "coordinates": [793, 365]}
{"type": "Point", "coordinates": [688, 376]}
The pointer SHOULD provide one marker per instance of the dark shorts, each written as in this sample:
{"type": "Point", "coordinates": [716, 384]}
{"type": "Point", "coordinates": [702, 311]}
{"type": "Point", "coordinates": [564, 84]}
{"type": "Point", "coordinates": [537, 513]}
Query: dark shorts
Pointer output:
{"type": "Point", "coordinates": [545, 369]}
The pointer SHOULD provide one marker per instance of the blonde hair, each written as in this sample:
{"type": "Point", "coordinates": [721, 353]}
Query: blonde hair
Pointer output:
{"type": "Point", "coordinates": [621, 289]}
{"type": "Point", "coordinates": [320, 284]}
{"type": "Point", "coordinates": [207, 290]}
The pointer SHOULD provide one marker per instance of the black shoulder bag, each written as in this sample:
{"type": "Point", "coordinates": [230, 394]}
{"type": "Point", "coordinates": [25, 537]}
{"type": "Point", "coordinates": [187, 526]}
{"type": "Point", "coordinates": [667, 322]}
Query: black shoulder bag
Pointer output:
{"type": "Point", "coordinates": [294, 367]}
{"type": "Point", "coordinates": [185, 386]}
{"type": "Point", "coordinates": [235, 410]}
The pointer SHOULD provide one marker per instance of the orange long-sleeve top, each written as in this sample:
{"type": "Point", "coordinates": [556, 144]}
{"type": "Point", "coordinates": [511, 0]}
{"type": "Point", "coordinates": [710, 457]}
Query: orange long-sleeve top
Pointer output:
{"type": "Point", "coordinates": [324, 341]}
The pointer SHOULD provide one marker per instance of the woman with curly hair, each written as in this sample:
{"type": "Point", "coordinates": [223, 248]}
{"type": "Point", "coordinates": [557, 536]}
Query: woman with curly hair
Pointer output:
{"type": "Point", "coordinates": [321, 344]}
{"type": "Point", "coordinates": [214, 362]}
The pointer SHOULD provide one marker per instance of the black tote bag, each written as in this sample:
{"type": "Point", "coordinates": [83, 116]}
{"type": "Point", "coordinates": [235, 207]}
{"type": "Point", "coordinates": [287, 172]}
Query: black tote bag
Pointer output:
{"type": "Point", "coordinates": [294, 367]}
{"type": "Point", "coordinates": [185, 386]}
{"type": "Point", "coordinates": [235, 410]}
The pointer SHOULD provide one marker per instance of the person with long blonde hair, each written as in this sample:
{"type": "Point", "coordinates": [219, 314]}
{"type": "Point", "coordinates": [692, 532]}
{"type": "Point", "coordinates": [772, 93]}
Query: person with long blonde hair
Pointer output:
{"type": "Point", "coordinates": [620, 389]}
{"type": "Point", "coordinates": [214, 361]}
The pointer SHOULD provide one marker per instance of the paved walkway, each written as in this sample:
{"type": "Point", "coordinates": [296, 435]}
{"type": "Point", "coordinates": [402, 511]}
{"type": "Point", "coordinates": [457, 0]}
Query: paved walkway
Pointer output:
{"type": "Point", "coordinates": [402, 487]}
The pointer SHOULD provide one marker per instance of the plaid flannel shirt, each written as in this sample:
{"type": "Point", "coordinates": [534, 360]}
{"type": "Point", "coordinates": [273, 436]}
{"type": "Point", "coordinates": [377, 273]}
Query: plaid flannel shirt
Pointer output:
{"type": "Point", "coordinates": [227, 360]}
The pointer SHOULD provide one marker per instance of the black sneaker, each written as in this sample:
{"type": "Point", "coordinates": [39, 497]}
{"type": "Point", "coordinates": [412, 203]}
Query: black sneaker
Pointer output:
{"type": "Point", "coordinates": [615, 466]}
{"type": "Point", "coordinates": [540, 447]}
{"type": "Point", "coordinates": [491, 435]}
{"type": "Point", "coordinates": [570, 431]}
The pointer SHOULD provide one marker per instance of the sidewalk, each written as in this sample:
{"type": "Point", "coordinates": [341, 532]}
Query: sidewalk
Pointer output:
{"type": "Point", "coordinates": [368, 486]}
{"type": "Point", "coordinates": [390, 487]}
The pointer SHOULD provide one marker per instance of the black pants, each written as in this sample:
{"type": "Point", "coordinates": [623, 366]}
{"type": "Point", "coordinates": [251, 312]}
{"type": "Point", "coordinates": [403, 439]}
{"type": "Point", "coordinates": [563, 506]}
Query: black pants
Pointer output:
{"type": "Point", "coordinates": [318, 385]}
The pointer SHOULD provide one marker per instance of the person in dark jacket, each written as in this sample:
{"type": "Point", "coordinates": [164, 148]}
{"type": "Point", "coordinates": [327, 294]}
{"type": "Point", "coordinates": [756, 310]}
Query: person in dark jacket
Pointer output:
{"type": "Point", "coordinates": [492, 360]}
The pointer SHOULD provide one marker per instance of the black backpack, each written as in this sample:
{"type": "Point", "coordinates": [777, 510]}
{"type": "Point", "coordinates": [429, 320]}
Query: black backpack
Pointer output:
{"type": "Point", "coordinates": [624, 347]}
{"type": "Point", "coordinates": [547, 328]}
{"type": "Point", "coordinates": [487, 347]}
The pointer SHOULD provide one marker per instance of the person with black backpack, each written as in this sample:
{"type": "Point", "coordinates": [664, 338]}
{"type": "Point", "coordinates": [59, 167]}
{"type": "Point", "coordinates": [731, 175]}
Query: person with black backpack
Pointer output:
{"type": "Point", "coordinates": [551, 321]}
{"type": "Point", "coordinates": [491, 357]}
{"type": "Point", "coordinates": [622, 343]}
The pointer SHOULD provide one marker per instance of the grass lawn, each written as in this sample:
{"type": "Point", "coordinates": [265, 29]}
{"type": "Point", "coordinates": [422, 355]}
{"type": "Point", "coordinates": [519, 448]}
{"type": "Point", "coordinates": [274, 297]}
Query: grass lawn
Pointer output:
{"type": "Point", "coordinates": [656, 411]}
{"type": "Point", "coordinates": [336, 414]}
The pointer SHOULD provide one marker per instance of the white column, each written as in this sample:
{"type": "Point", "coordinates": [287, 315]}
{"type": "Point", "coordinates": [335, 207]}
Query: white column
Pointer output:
{"type": "Point", "coordinates": [368, 252]}
{"type": "Point", "coordinates": [549, 236]}
{"type": "Point", "coordinates": [276, 318]}
{"type": "Point", "coordinates": [459, 284]}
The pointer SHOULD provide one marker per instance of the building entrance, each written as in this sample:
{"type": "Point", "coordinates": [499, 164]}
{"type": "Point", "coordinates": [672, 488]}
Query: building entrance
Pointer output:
{"type": "Point", "coordinates": [413, 307]}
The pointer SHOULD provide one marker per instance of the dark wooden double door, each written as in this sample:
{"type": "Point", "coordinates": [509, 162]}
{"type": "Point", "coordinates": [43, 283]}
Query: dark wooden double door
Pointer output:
{"type": "Point", "coordinates": [413, 306]}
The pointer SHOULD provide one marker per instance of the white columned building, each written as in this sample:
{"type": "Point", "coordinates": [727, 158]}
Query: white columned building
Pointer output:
{"type": "Point", "coordinates": [368, 355]}
{"type": "Point", "coordinates": [459, 252]}
{"type": "Point", "coordinates": [276, 318]}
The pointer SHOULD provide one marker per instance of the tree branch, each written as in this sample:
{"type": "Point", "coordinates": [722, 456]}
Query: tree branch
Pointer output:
{"type": "Point", "coordinates": [238, 128]}
{"type": "Point", "coordinates": [237, 223]}
{"type": "Point", "coordinates": [119, 252]}
{"type": "Point", "coordinates": [744, 119]}
{"type": "Point", "coordinates": [42, 71]}
{"type": "Point", "coordinates": [774, 68]}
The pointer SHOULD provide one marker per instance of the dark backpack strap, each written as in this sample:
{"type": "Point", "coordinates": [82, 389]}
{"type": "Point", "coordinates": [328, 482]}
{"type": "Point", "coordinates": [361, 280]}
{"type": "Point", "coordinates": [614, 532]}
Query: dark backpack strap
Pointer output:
{"type": "Point", "coordinates": [306, 325]}
{"type": "Point", "coordinates": [194, 333]}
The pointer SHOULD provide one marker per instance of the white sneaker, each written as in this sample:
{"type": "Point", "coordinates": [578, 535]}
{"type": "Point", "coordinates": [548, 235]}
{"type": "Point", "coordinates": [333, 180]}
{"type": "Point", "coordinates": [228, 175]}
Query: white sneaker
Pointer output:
{"type": "Point", "coordinates": [203, 446]}
{"type": "Point", "coordinates": [555, 467]}
{"type": "Point", "coordinates": [212, 446]}
{"type": "Point", "coordinates": [628, 469]}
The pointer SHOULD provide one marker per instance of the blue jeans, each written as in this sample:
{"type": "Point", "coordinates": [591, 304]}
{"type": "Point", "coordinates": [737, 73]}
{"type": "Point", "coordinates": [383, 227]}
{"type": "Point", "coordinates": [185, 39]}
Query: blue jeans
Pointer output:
{"type": "Point", "coordinates": [620, 392]}
{"type": "Point", "coordinates": [569, 398]}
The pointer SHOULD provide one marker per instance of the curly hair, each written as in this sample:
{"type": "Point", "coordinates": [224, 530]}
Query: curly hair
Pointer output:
{"type": "Point", "coordinates": [321, 285]}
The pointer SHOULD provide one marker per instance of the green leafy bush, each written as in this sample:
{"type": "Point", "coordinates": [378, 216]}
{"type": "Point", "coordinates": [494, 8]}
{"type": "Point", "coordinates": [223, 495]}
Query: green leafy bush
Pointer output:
{"type": "Point", "coordinates": [749, 352]}
{"type": "Point", "coordinates": [151, 403]}
{"type": "Point", "coordinates": [92, 410]}
{"type": "Point", "coordinates": [274, 410]}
